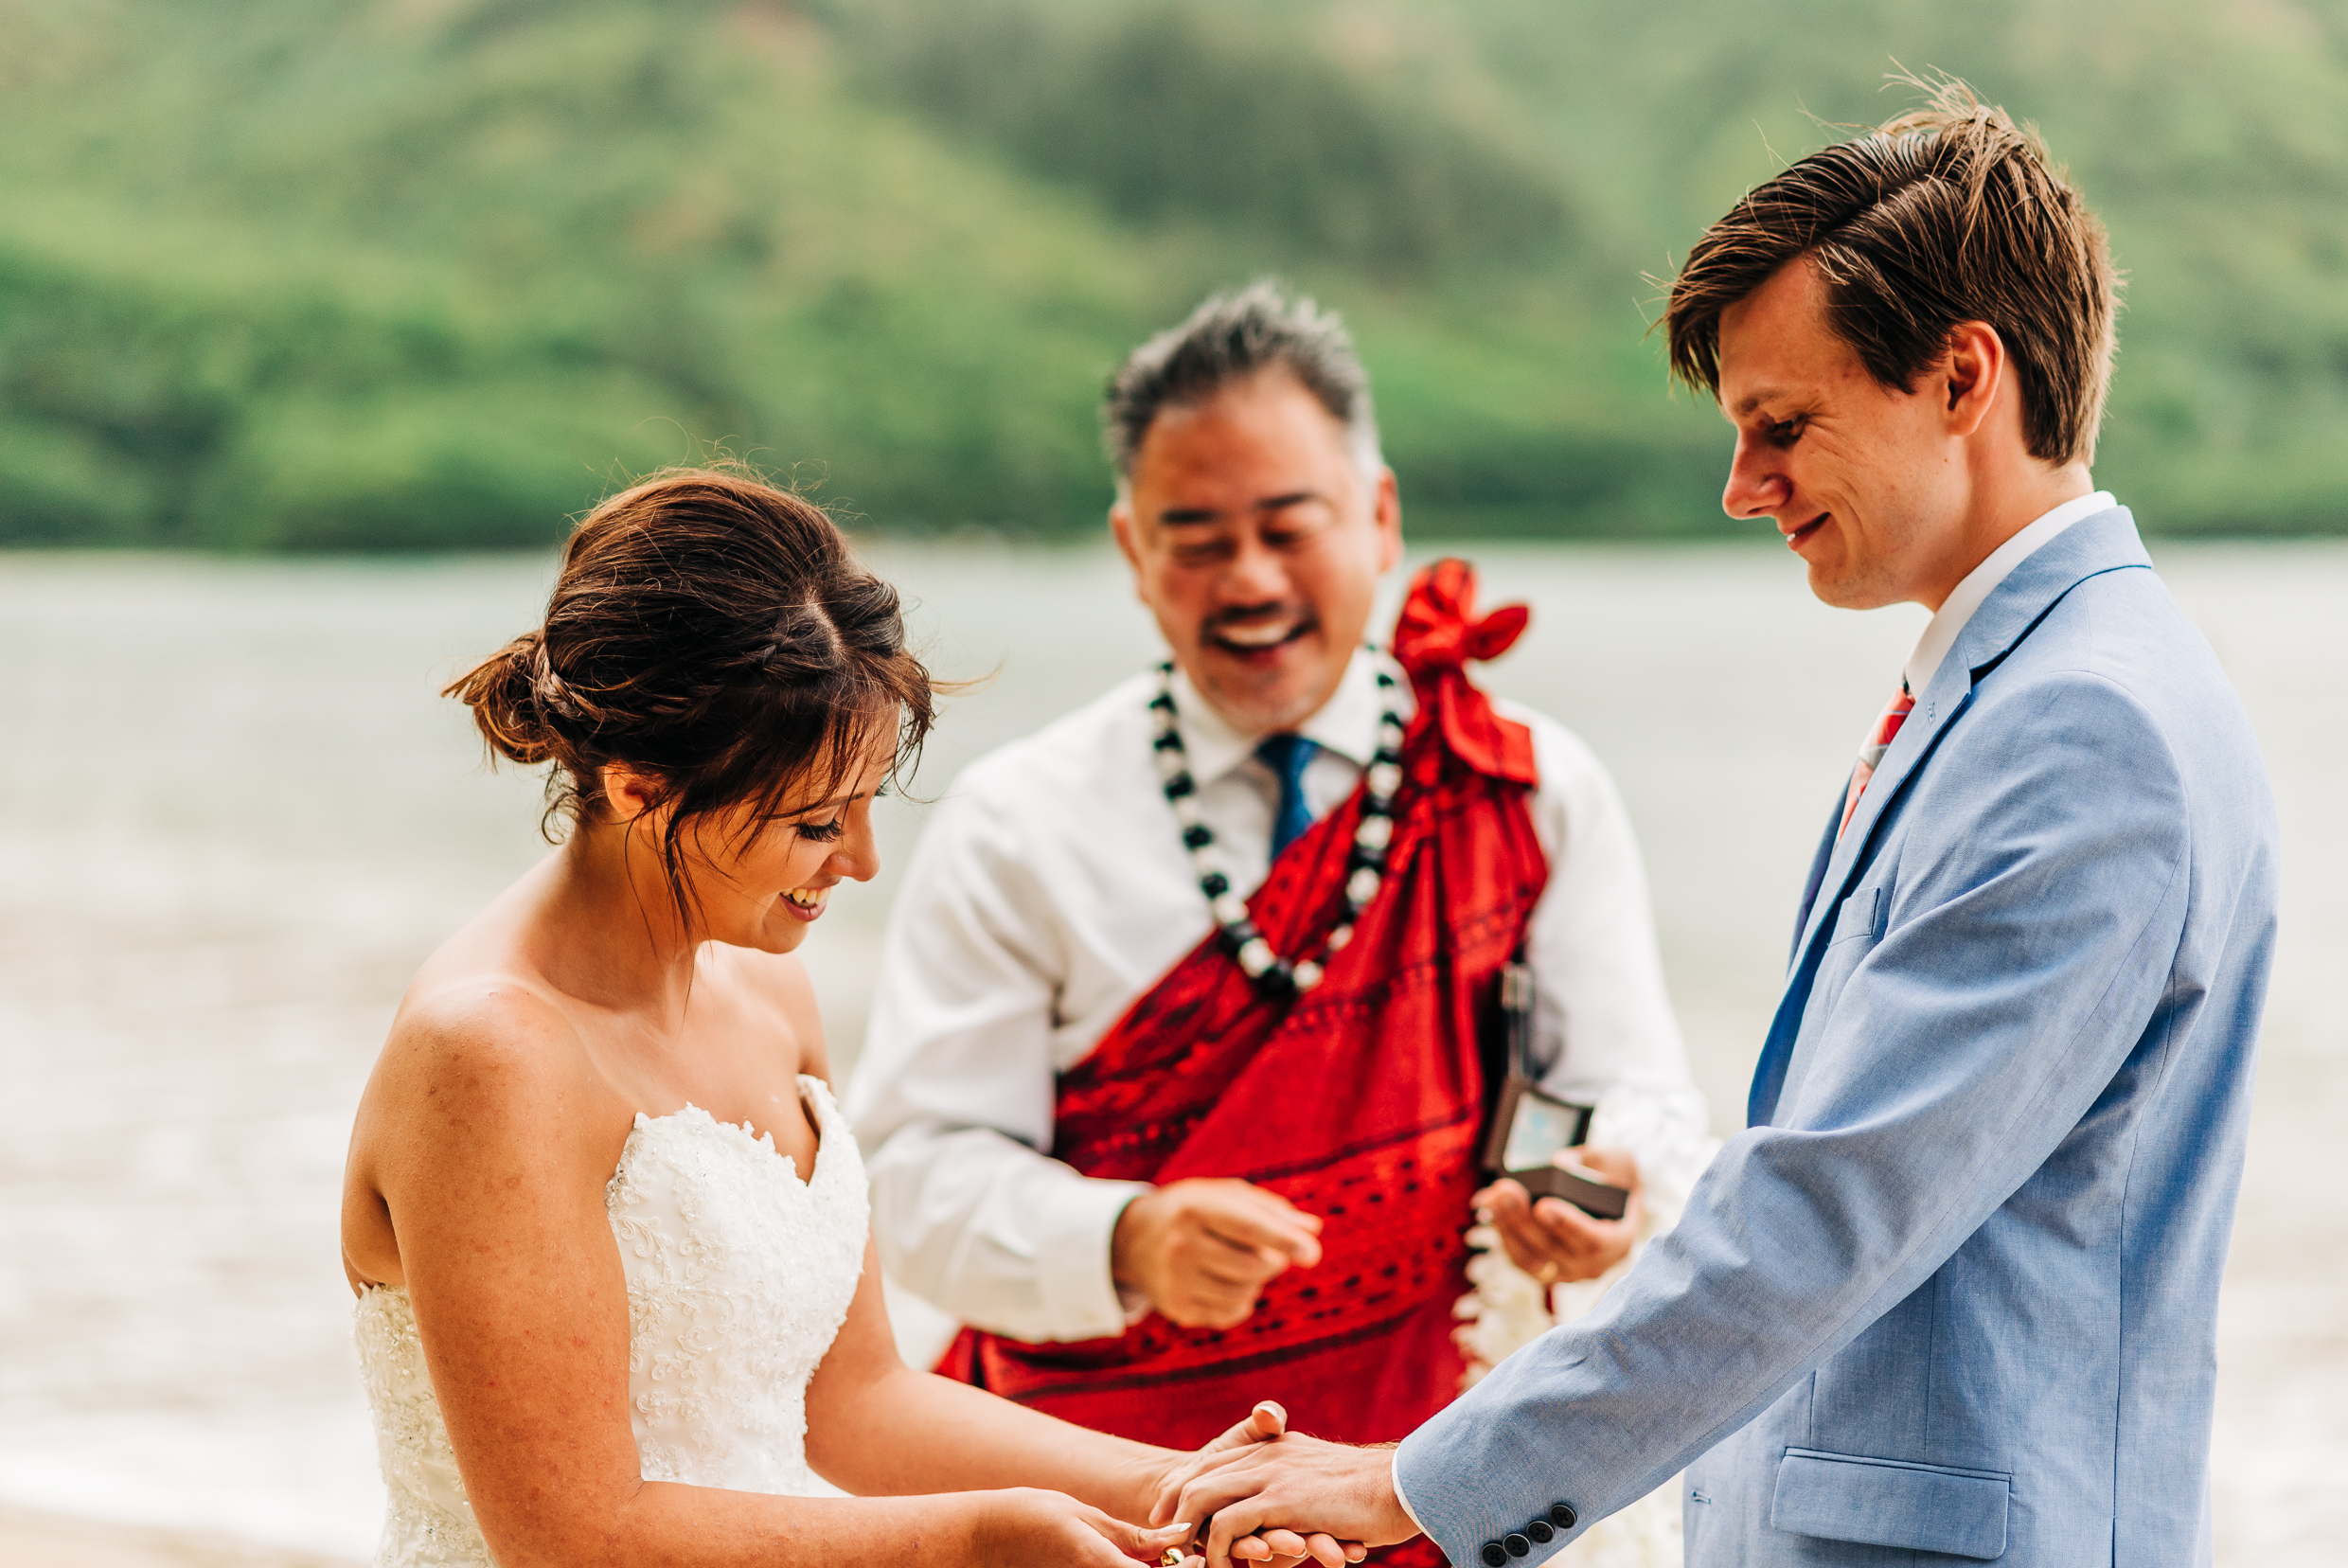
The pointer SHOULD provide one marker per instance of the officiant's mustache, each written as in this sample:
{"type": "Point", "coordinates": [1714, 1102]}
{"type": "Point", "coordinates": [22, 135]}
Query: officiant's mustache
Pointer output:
{"type": "Point", "coordinates": [1254, 627]}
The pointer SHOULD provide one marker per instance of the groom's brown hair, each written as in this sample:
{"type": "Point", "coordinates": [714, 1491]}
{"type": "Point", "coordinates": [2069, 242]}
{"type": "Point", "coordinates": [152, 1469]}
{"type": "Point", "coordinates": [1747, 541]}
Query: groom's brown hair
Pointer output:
{"type": "Point", "coordinates": [1948, 214]}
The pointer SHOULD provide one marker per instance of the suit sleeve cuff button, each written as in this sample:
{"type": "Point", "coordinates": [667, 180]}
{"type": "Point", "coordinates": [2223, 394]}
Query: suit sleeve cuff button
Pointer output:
{"type": "Point", "coordinates": [1494, 1555]}
{"type": "Point", "coordinates": [1517, 1544]}
{"type": "Point", "coordinates": [1562, 1515]}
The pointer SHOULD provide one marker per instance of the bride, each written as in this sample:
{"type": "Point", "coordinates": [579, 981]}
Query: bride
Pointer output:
{"type": "Point", "coordinates": [617, 1299]}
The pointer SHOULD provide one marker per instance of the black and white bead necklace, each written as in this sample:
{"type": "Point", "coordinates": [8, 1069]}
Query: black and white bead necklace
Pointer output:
{"type": "Point", "coordinates": [1365, 866]}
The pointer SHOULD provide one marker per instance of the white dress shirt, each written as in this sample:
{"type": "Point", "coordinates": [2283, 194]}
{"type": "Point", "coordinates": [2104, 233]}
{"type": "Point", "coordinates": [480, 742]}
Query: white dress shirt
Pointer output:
{"type": "Point", "coordinates": [1051, 889]}
{"type": "Point", "coordinates": [1940, 632]}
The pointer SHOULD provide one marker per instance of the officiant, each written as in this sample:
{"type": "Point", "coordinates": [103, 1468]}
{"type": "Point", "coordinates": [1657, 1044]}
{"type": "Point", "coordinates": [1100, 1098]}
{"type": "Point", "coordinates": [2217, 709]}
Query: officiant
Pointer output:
{"type": "Point", "coordinates": [1180, 1045]}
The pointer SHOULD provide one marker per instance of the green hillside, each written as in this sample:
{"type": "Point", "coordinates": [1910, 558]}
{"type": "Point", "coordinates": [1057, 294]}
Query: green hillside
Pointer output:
{"type": "Point", "coordinates": [381, 274]}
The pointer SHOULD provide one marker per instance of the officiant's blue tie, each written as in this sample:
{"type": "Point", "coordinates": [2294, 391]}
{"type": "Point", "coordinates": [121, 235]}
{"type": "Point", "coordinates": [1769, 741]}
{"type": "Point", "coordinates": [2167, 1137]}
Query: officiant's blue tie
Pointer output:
{"type": "Point", "coordinates": [1287, 756]}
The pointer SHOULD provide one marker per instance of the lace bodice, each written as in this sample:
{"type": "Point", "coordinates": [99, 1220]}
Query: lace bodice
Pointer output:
{"type": "Point", "coordinates": [739, 1276]}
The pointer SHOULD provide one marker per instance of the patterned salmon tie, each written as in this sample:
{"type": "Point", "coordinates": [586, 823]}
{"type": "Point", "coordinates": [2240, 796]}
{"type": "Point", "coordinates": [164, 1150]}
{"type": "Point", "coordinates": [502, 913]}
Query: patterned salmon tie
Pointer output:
{"type": "Point", "coordinates": [1879, 741]}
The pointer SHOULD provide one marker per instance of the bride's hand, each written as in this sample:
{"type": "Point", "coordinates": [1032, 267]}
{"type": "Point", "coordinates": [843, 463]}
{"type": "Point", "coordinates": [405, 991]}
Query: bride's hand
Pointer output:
{"type": "Point", "coordinates": [1028, 1527]}
{"type": "Point", "coordinates": [1273, 1548]}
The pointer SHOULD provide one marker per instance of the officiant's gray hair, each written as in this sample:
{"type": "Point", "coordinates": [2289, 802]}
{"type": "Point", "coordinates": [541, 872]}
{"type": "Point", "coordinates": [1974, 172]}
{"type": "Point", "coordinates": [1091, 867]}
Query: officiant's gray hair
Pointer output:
{"type": "Point", "coordinates": [1227, 339]}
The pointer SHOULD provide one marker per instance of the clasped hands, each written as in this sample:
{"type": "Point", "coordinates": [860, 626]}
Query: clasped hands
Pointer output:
{"type": "Point", "coordinates": [1245, 1493]}
{"type": "Point", "coordinates": [1202, 1250]}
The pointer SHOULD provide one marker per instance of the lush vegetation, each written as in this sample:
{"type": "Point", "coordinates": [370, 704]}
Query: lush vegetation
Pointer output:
{"type": "Point", "coordinates": [367, 274]}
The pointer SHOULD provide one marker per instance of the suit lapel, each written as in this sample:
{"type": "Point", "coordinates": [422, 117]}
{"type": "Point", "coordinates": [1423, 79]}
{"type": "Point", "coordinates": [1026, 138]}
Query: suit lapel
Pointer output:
{"type": "Point", "coordinates": [1934, 711]}
{"type": "Point", "coordinates": [2107, 541]}
{"type": "Point", "coordinates": [1811, 883]}
{"type": "Point", "coordinates": [1845, 858]}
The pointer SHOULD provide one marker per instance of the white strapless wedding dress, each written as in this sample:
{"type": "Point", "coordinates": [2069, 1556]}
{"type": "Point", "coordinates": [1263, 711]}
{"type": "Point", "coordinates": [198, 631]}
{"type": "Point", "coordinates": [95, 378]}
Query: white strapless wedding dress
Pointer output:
{"type": "Point", "coordinates": [739, 1276]}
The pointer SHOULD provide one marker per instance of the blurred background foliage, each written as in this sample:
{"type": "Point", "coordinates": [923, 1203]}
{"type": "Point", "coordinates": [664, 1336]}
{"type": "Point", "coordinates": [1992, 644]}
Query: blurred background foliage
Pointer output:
{"type": "Point", "coordinates": [429, 273]}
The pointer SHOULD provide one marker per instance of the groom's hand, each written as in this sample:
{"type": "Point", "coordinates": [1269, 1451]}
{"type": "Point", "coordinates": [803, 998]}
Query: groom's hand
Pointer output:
{"type": "Point", "coordinates": [1274, 1548]}
{"type": "Point", "coordinates": [1553, 1241]}
{"type": "Point", "coordinates": [1202, 1250]}
{"type": "Point", "coordinates": [1273, 1488]}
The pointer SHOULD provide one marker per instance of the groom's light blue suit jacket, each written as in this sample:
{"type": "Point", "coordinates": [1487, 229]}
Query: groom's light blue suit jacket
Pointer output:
{"type": "Point", "coordinates": [1953, 1294]}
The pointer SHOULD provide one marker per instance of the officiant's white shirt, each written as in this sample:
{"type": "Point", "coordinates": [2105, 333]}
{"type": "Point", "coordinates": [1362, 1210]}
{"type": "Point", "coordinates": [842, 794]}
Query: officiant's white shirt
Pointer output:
{"type": "Point", "coordinates": [1051, 888]}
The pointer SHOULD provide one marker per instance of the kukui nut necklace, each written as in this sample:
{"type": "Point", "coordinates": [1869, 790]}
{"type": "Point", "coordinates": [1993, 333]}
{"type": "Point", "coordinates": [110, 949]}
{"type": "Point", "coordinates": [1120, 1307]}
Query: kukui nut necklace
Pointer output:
{"type": "Point", "coordinates": [1365, 866]}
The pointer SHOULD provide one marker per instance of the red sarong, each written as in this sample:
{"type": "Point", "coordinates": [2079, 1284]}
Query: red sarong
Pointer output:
{"type": "Point", "coordinates": [1361, 1101]}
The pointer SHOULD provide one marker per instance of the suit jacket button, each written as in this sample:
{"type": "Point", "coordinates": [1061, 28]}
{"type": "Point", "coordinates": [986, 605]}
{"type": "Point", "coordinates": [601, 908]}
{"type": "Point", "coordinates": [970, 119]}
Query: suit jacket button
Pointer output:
{"type": "Point", "coordinates": [1494, 1555]}
{"type": "Point", "coordinates": [1562, 1515]}
{"type": "Point", "coordinates": [1517, 1544]}
{"type": "Point", "coordinates": [1542, 1532]}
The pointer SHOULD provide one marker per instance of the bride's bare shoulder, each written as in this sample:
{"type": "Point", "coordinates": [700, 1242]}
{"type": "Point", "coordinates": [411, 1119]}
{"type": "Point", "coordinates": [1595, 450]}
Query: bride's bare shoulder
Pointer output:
{"type": "Point", "coordinates": [480, 1001]}
{"type": "Point", "coordinates": [490, 1020]}
{"type": "Point", "coordinates": [484, 1046]}
{"type": "Point", "coordinates": [483, 1100]}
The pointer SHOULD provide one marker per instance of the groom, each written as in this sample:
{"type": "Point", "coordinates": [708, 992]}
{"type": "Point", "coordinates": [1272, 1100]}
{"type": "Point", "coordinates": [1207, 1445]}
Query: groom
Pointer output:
{"type": "Point", "coordinates": [1953, 1291]}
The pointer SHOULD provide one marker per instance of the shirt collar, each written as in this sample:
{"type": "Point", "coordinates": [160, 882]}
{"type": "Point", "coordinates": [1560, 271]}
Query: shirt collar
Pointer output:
{"type": "Point", "coordinates": [1940, 633]}
{"type": "Point", "coordinates": [1346, 724]}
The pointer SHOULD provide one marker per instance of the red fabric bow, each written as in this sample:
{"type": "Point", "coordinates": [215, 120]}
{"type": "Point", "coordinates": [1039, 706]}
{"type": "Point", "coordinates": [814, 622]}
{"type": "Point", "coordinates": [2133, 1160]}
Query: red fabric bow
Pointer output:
{"type": "Point", "coordinates": [1435, 638]}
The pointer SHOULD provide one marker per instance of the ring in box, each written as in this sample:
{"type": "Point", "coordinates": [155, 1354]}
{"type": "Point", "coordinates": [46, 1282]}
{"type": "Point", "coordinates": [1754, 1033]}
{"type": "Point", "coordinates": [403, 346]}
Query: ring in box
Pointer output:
{"type": "Point", "coordinates": [1530, 1126]}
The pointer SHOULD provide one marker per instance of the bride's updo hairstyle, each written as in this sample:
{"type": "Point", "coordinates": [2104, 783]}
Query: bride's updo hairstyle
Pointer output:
{"type": "Point", "coordinates": [717, 635]}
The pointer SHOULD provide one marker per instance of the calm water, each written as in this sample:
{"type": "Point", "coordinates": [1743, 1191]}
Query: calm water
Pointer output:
{"type": "Point", "coordinates": [234, 816]}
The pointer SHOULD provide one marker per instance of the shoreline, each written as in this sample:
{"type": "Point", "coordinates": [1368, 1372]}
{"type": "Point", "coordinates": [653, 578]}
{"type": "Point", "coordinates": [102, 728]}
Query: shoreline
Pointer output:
{"type": "Point", "coordinates": [55, 1540]}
